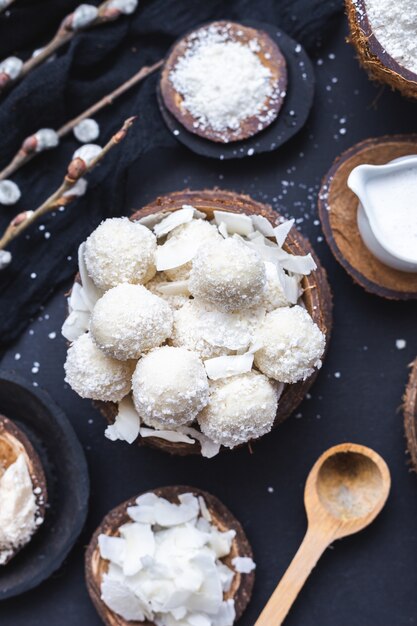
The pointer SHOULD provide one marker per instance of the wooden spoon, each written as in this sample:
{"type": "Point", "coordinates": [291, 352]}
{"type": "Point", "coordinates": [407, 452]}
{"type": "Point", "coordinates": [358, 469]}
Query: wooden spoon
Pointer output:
{"type": "Point", "coordinates": [345, 490]}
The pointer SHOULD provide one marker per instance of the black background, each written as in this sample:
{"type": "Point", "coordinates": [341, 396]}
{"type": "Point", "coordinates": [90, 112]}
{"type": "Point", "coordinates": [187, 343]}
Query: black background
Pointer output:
{"type": "Point", "coordinates": [368, 579]}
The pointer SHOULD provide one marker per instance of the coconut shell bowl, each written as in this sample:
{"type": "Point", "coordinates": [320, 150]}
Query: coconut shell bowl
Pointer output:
{"type": "Point", "coordinates": [316, 292]}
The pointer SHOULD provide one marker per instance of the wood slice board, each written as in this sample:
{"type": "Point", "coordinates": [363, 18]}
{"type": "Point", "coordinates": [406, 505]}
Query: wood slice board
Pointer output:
{"type": "Point", "coordinates": [95, 566]}
{"type": "Point", "coordinates": [317, 295]}
{"type": "Point", "coordinates": [410, 414]}
{"type": "Point", "coordinates": [338, 214]}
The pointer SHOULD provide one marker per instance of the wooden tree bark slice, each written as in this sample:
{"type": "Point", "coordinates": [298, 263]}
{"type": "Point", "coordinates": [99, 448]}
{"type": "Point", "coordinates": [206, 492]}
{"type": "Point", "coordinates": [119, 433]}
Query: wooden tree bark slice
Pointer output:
{"type": "Point", "coordinates": [269, 55]}
{"type": "Point", "coordinates": [95, 566]}
{"type": "Point", "coordinates": [338, 214]}
{"type": "Point", "coordinates": [410, 414]}
{"type": "Point", "coordinates": [317, 296]}
{"type": "Point", "coordinates": [372, 56]}
{"type": "Point", "coordinates": [13, 443]}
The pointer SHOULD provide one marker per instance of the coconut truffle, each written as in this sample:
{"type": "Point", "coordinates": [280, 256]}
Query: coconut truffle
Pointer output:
{"type": "Point", "coordinates": [120, 251]}
{"type": "Point", "coordinates": [240, 408]}
{"type": "Point", "coordinates": [130, 320]}
{"type": "Point", "coordinates": [292, 345]}
{"type": "Point", "coordinates": [170, 387]}
{"type": "Point", "coordinates": [228, 274]}
{"type": "Point", "coordinates": [176, 301]}
{"type": "Point", "coordinates": [92, 374]}
{"type": "Point", "coordinates": [195, 231]}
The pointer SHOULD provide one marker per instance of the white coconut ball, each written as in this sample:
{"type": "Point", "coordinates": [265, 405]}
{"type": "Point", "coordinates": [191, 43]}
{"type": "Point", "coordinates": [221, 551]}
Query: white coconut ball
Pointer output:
{"type": "Point", "coordinates": [240, 408]}
{"type": "Point", "coordinates": [228, 274]}
{"type": "Point", "coordinates": [170, 387]}
{"type": "Point", "coordinates": [130, 320]}
{"type": "Point", "coordinates": [176, 301]}
{"type": "Point", "coordinates": [292, 345]}
{"type": "Point", "coordinates": [92, 374]}
{"type": "Point", "coordinates": [198, 231]}
{"type": "Point", "coordinates": [120, 251]}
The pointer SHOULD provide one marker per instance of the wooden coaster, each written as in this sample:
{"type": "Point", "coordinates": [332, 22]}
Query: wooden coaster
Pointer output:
{"type": "Point", "coordinates": [317, 296]}
{"type": "Point", "coordinates": [338, 214]}
{"type": "Point", "coordinates": [95, 566]}
{"type": "Point", "coordinates": [410, 414]}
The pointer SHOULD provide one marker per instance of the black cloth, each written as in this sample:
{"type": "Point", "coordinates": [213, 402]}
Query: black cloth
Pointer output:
{"type": "Point", "coordinates": [93, 64]}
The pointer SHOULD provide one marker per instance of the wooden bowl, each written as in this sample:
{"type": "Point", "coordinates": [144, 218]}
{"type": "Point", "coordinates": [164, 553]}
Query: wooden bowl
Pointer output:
{"type": "Point", "coordinates": [372, 56]}
{"type": "Point", "coordinates": [317, 295]}
{"type": "Point", "coordinates": [13, 443]}
{"type": "Point", "coordinates": [269, 55]}
{"type": "Point", "coordinates": [95, 566]}
{"type": "Point", "coordinates": [410, 414]}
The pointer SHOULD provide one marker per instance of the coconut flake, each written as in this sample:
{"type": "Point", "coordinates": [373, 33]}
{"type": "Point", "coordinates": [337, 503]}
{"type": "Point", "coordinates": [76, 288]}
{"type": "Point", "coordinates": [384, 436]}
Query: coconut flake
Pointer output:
{"type": "Point", "coordinates": [151, 220]}
{"type": "Point", "coordinates": [225, 366]}
{"type": "Point", "coordinates": [299, 264]}
{"type": "Point", "coordinates": [281, 232]}
{"type": "Point", "coordinates": [204, 510]}
{"type": "Point", "coordinates": [209, 448]}
{"type": "Point", "coordinates": [127, 423]}
{"type": "Point", "coordinates": [176, 288]}
{"type": "Point", "coordinates": [262, 225]}
{"type": "Point", "coordinates": [236, 223]}
{"type": "Point", "coordinates": [168, 435]}
{"type": "Point", "coordinates": [175, 253]}
{"type": "Point", "coordinates": [112, 548]}
{"type": "Point", "coordinates": [243, 564]}
{"type": "Point", "coordinates": [174, 219]}
{"type": "Point", "coordinates": [222, 228]}
{"type": "Point", "coordinates": [91, 292]}
{"type": "Point", "coordinates": [168, 514]}
{"type": "Point", "coordinates": [122, 600]}
{"type": "Point", "coordinates": [140, 543]}
{"type": "Point", "coordinates": [76, 324]}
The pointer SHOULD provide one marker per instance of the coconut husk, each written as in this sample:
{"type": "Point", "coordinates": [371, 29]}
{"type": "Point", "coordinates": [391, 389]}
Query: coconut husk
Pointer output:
{"type": "Point", "coordinates": [270, 56]}
{"type": "Point", "coordinates": [338, 214]}
{"type": "Point", "coordinates": [13, 443]}
{"type": "Point", "coordinates": [379, 65]}
{"type": "Point", "coordinates": [410, 414]}
{"type": "Point", "coordinates": [95, 566]}
{"type": "Point", "coordinates": [317, 295]}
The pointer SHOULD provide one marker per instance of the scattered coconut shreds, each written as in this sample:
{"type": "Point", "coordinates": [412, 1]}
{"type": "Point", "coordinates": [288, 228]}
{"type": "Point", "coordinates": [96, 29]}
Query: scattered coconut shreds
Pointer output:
{"type": "Point", "coordinates": [175, 253]}
{"type": "Point", "coordinates": [299, 264]}
{"type": "Point", "coordinates": [176, 288]}
{"type": "Point", "coordinates": [151, 220]}
{"type": "Point", "coordinates": [127, 423]}
{"type": "Point", "coordinates": [236, 223]}
{"type": "Point", "coordinates": [76, 324]}
{"type": "Point", "coordinates": [281, 231]}
{"type": "Point", "coordinates": [91, 292]}
{"type": "Point", "coordinates": [209, 448]}
{"type": "Point", "coordinates": [225, 366]}
{"type": "Point", "coordinates": [180, 543]}
{"type": "Point", "coordinates": [176, 218]}
{"type": "Point", "coordinates": [243, 564]}
{"type": "Point", "coordinates": [168, 435]}
{"type": "Point", "coordinates": [262, 225]}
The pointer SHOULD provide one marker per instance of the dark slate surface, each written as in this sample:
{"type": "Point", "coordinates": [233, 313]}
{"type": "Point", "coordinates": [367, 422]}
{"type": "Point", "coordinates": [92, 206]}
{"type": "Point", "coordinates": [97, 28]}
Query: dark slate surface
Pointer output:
{"type": "Point", "coordinates": [363, 580]}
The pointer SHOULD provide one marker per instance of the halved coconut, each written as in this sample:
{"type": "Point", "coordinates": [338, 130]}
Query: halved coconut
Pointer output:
{"type": "Point", "coordinates": [13, 443]}
{"type": "Point", "coordinates": [317, 295]}
{"type": "Point", "coordinates": [95, 567]}
{"type": "Point", "coordinates": [379, 64]}
{"type": "Point", "coordinates": [410, 414]}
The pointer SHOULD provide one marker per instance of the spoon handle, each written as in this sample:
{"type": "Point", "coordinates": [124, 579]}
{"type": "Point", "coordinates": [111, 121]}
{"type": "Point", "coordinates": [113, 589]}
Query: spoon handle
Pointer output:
{"type": "Point", "coordinates": [309, 552]}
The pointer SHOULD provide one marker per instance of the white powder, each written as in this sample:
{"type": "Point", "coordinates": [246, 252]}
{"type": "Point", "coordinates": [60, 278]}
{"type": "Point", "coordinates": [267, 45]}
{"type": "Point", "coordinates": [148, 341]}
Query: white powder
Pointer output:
{"type": "Point", "coordinates": [18, 508]}
{"type": "Point", "coordinates": [222, 82]}
{"type": "Point", "coordinates": [395, 27]}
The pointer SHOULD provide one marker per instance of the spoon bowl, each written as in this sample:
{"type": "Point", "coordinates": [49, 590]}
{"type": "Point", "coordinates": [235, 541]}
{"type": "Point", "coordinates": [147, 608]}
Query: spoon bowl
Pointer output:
{"type": "Point", "coordinates": [348, 486]}
{"type": "Point", "coordinates": [345, 490]}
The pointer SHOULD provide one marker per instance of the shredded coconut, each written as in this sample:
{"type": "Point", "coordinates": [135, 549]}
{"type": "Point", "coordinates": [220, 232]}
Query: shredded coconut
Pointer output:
{"type": "Point", "coordinates": [395, 26]}
{"type": "Point", "coordinates": [222, 82]}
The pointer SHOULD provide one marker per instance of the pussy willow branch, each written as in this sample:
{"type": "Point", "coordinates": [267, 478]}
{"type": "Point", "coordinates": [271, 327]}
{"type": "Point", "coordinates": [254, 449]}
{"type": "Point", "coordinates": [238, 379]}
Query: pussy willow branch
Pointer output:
{"type": "Point", "coordinates": [76, 169]}
{"type": "Point", "coordinates": [63, 35]}
{"type": "Point", "coordinates": [5, 5]}
{"type": "Point", "coordinates": [27, 152]}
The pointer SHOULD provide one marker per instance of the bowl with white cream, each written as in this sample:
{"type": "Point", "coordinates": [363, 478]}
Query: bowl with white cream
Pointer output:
{"type": "Point", "coordinates": [387, 210]}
